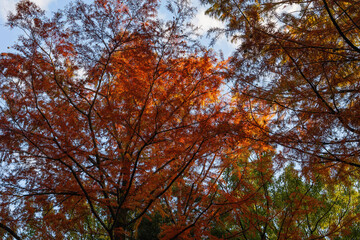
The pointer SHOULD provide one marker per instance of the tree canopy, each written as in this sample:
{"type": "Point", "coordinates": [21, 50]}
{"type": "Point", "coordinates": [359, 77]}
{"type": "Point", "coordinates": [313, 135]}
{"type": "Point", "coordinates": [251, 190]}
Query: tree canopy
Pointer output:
{"type": "Point", "coordinates": [300, 61]}
{"type": "Point", "coordinates": [118, 124]}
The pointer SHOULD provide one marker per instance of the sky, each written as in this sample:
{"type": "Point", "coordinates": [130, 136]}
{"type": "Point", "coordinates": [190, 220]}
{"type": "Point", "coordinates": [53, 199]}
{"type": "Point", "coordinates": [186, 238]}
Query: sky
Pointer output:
{"type": "Point", "coordinates": [8, 37]}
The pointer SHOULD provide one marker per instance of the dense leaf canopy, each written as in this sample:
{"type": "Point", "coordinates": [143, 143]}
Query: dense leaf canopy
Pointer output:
{"type": "Point", "coordinates": [300, 61]}
{"type": "Point", "coordinates": [117, 124]}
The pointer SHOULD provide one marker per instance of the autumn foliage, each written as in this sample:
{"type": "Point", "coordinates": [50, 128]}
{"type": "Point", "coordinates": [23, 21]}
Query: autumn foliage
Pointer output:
{"type": "Point", "coordinates": [115, 124]}
{"type": "Point", "coordinates": [300, 61]}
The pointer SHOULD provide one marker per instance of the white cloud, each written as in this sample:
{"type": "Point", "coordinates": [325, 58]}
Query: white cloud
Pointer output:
{"type": "Point", "coordinates": [205, 22]}
{"type": "Point", "coordinates": [289, 8]}
{"type": "Point", "coordinates": [7, 6]}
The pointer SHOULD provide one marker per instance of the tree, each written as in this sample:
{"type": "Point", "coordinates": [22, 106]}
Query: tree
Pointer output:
{"type": "Point", "coordinates": [299, 60]}
{"type": "Point", "coordinates": [245, 200]}
{"type": "Point", "coordinates": [114, 125]}
{"type": "Point", "coordinates": [312, 208]}
{"type": "Point", "coordinates": [262, 205]}
{"type": "Point", "coordinates": [110, 116]}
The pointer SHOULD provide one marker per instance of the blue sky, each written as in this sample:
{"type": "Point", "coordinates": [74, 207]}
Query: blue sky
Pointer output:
{"type": "Point", "coordinates": [8, 37]}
